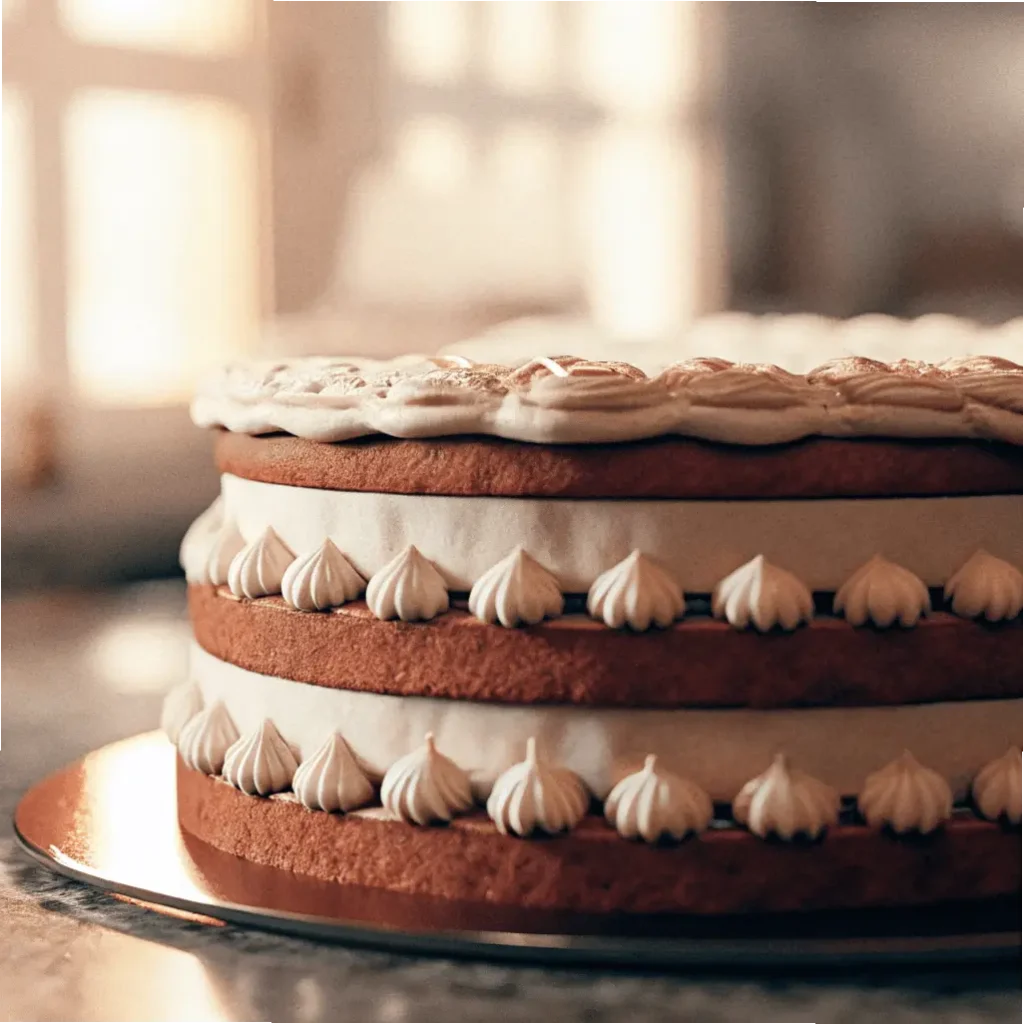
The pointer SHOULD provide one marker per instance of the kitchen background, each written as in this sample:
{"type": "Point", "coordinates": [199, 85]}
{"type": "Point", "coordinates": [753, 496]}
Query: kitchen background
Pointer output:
{"type": "Point", "coordinates": [186, 181]}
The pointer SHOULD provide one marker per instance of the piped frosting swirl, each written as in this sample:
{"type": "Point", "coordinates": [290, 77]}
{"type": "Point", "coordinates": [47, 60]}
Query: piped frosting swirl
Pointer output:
{"type": "Point", "coordinates": [906, 797]}
{"type": "Point", "coordinates": [883, 593]}
{"type": "Point", "coordinates": [330, 780]}
{"type": "Point", "coordinates": [518, 589]}
{"type": "Point", "coordinates": [425, 787]}
{"type": "Point", "coordinates": [258, 569]}
{"type": "Point", "coordinates": [197, 544]}
{"type": "Point", "coordinates": [986, 586]}
{"type": "Point", "coordinates": [997, 788]}
{"type": "Point", "coordinates": [226, 543]}
{"type": "Point", "coordinates": [763, 595]}
{"type": "Point", "coordinates": [407, 588]}
{"type": "Point", "coordinates": [535, 796]}
{"type": "Point", "coordinates": [181, 704]}
{"type": "Point", "coordinates": [321, 579]}
{"type": "Point", "coordinates": [785, 802]}
{"type": "Point", "coordinates": [206, 738]}
{"type": "Point", "coordinates": [654, 804]}
{"type": "Point", "coordinates": [637, 593]}
{"type": "Point", "coordinates": [261, 763]}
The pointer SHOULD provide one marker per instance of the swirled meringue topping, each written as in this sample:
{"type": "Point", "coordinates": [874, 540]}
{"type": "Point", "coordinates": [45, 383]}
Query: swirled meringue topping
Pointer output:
{"type": "Point", "coordinates": [205, 739]}
{"type": "Point", "coordinates": [226, 543]}
{"type": "Point", "coordinates": [258, 569]}
{"type": "Point", "coordinates": [746, 386]}
{"type": "Point", "coordinates": [988, 380]}
{"type": "Point", "coordinates": [986, 585]}
{"type": "Point", "coordinates": [906, 796]}
{"type": "Point", "coordinates": [261, 763]}
{"type": "Point", "coordinates": [570, 366]}
{"type": "Point", "coordinates": [583, 399]}
{"type": "Point", "coordinates": [654, 804]}
{"type": "Point", "coordinates": [534, 796]}
{"type": "Point", "coordinates": [196, 545]}
{"type": "Point", "coordinates": [785, 802]}
{"type": "Point", "coordinates": [425, 786]}
{"type": "Point", "coordinates": [330, 780]}
{"type": "Point", "coordinates": [324, 578]}
{"type": "Point", "coordinates": [595, 393]}
{"type": "Point", "coordinates": [882, 592]}
{"type": "Point", "coordinates": [181, 704]}
{"type": "Point", "coordinates": [764, 595]}
{"type": "Point", "coordinates": [997, 788]}
{"type": "Point", "coordinates": [637, 593]}
{"type": "Point", "coordinates": [517, 589]}
{"type": "Point", "coordinates": [407, 588]}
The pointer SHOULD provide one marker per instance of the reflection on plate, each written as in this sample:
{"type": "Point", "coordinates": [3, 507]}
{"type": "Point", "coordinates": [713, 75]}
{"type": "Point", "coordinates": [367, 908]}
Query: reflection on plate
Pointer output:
{"type": "Point", "coordinates": [110, 820]}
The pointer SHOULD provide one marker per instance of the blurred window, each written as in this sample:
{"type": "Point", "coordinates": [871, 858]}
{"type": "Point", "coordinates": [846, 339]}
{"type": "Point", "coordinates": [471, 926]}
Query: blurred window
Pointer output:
{"type": "Point", "coordinates": [132, 192]}
{"type": "Point", "coordinates": [543, 154]}
{"type": "Point", "coordinates": [162, 246]}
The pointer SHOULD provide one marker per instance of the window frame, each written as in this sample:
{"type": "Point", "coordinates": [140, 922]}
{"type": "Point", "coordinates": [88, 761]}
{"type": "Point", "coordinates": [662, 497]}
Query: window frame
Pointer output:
{"type": "Point", "coordinates": [67, 469]}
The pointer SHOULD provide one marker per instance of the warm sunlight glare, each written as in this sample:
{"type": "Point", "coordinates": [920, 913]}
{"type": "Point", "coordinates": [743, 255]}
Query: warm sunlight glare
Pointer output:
{"type": "Point", "coordinates": [638, 57]}
{"type": "Point", "coordinates": [520, 52]}
{"type": "Point", "coordinates": [526, 157]}
{"type": "Point", "coordinates": [638, 220]}
{"type": "Point", "coordinates": [433, 153]}
{"type": "Point", "coordinates": [429, 39]}
{"type": "Point", "coordinates": [183, 26]}
{"type": "Point", "coordinates": [163, 270]}
{"type": "Point", "coordinates": [18, 326]}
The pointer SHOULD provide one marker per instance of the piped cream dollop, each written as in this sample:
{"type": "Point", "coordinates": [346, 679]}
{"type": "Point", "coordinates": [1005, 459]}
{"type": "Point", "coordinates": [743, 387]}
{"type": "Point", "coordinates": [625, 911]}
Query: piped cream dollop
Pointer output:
{"type": "Point", "coordinates": [322, 579]}
{"type": "Point", "coordinates": [226, 544]}
{"type": "Point", "coordinates": [330, 780]}
{"type": "Point", "coordinates": [882, 592]}
{"type": "Point", "coordinates": [763, 595]}
{"type": "Point", "coordinates": [261, 763]}
{"type": "Point", "coordinates": [986, 586]}
{"type": "Point", "coordinates": [407, 588]}
{"type": "Point", "coordinates": [205, 739]}
{"type": "Point", "coordinates": [535, 796]}
{"type": "Point", "coordinates": [654, 804]}
{"type": "Point", "coordinates": [997, 788]}
{"type": "Point", "coordinates": [258, 569]}
{"type": "Point", "coordinates": [786, 802]}
{"type": "Point", "coordinates": [906, 797]}
{"type": "Point", "coordinates": [425, 786]}
{"type": "Point", "coordinates": [196, 545]}
{"type": "Point", "coordinates": [181, 704]}
{"type": "Point", "coordinates": [518, 589]}
{"type": "Point", "coordinates": [638, 593]}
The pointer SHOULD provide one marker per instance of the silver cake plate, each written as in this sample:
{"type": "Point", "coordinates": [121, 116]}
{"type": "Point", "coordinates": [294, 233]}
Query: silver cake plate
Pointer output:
{"type": "Point", "coordinates": [110, 820]}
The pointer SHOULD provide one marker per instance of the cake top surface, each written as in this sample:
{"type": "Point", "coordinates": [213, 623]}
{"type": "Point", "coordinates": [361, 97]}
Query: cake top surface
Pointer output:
{"type": "Point", "coordinates": [919, 378]}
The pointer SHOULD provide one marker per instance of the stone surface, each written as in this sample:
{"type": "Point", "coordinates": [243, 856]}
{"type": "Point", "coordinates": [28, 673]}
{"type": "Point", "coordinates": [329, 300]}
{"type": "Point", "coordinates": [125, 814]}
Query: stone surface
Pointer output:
{"type": "Point", "coordinates": [94, 674]}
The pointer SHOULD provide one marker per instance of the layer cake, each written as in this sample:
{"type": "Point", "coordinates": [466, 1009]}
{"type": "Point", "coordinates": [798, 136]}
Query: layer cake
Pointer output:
{"type": "Point", "coordinates": [575, 634]}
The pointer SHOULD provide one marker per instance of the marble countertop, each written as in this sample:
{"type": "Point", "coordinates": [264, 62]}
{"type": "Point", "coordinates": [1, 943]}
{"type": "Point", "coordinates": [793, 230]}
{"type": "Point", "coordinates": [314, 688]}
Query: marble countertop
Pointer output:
{"type": "Point", "coordinates": [81, 670]}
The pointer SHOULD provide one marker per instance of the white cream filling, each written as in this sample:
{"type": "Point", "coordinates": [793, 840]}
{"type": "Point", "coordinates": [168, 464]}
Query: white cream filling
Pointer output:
{"type": "Point", "coordinates": [719, 749]}
{"type": "Point", "coordinates": [822, 542]}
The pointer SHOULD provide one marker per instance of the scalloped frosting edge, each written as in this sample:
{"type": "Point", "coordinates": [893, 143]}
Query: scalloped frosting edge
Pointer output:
{"type": "Point", "coordinates": [570, 399]}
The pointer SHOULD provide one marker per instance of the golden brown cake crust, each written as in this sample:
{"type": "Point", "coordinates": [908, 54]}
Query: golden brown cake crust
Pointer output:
{"type": "Point", "coordinates": [698, 663]}
{"type": "Point", "coordinates": [662, 468]}
{"type": "Point", "coordinates": [593, 869]}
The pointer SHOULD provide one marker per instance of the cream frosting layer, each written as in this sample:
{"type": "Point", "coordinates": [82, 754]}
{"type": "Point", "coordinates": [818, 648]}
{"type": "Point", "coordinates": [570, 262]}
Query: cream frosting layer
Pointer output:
{"type": "Point", "coordinates": [571, 400]}
{"type": "Point", "coordinates": [699, 543]}
{"type": "Point", "coordinates": [719, 750]}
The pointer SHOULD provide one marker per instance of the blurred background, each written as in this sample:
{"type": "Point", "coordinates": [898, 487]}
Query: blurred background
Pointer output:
{"type": "Point", "coordinates": [187, 181]}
